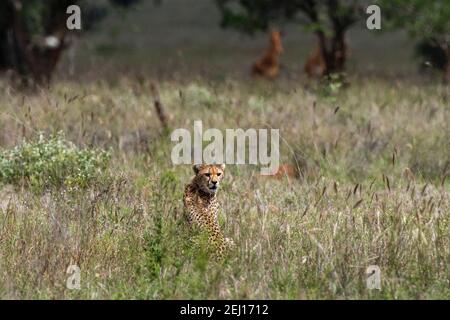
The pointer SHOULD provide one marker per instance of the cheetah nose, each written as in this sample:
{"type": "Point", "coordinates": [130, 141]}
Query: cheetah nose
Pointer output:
{"type": "Point", "coordinates": [214, 182]}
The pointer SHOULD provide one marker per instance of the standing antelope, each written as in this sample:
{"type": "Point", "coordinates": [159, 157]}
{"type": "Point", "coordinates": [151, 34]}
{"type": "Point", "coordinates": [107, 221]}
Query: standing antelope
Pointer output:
{"type": "Point", "coordinates": [315, 64]}
{"type": "Point", "coordinates": [268, 65]}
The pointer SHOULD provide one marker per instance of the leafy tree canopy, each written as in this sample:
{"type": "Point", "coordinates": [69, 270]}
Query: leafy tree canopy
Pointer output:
{"type": "Point", "coordinates": [421, 18]}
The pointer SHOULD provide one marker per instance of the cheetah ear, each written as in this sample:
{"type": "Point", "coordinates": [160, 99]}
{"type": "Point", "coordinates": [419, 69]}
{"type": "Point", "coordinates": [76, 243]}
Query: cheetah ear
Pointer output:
{"type": "Point", "coordinates": [222, 166]}
{"type": "Point", "coordinates": [196, 168]}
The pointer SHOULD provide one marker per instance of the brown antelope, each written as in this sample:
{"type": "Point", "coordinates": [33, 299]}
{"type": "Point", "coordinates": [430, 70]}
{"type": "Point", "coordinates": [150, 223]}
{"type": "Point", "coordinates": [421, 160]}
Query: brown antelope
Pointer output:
{"type": "Point", "coordinates": [268, 65]}
{"type": "Point", "coordinates": [315, 64]}
{"type": "Point", "coordinates": [285, 171]}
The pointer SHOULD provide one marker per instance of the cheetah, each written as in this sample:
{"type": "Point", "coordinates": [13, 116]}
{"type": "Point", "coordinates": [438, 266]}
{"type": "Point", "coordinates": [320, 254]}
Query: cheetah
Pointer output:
{"type": "Point", "coordinates": [201, 205]}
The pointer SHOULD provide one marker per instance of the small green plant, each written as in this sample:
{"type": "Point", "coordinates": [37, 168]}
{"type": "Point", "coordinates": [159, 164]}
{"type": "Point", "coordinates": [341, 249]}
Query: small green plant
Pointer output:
{"type": "Point", "coordinates": [331, 86]}
{"type": "Point", "coordinates": [52, 162]}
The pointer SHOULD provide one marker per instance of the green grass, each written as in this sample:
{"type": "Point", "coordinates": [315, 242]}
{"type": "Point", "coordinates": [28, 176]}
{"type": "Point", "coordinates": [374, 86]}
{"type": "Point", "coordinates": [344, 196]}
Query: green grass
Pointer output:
{"type": "Point", "coordinates": [372, 191]}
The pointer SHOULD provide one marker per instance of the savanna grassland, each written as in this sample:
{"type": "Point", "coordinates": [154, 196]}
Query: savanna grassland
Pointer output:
{"type": "Point", "coordinates": [371, 189]}
{"type": "Point", "coordinates": [86, 176]}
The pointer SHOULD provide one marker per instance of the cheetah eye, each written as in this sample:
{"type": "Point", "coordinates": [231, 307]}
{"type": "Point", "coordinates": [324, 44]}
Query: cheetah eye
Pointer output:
{"type": "Point", "coordinates": [218, 174]}
{"type": "Point", "coordinates": [207, 174]}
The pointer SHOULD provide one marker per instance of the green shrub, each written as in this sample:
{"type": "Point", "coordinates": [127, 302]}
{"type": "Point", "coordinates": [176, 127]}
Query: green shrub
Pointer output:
{"type": "Point", "coordinates": [331, 86]}
{"type": "Point", "coordinates": [52, 162]}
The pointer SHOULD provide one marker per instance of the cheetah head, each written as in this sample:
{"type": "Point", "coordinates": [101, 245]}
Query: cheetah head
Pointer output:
{"type": "Point", "coordinates": [208, 176]}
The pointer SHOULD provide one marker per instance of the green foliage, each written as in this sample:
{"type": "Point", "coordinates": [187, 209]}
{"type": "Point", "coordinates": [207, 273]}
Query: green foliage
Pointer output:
{"type": "Point", "coordinates": [427, 21]}
{"type": "Point", "coordinates": [37, 14]}
{"type": "Point", "coordinates": [253, 15]}
{"type": "Point", "coordinates": [421, 18]}
{"type": "Point", "coordinates": [249, 16]}
{"type": "Point", "coordinates": [331, 86]}
{"type": "Point", "coordinates": [24, 25]}
{"type": "Point", "coordinates": [52, 162]}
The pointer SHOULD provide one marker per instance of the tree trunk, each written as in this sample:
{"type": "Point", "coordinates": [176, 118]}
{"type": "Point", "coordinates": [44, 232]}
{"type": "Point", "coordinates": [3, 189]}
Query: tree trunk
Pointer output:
{"type": "Point", "coordinates": [36, 61]}
{"type": "Point", "coordinates": [334, 52]}
{"type": "Point", "coordinates": [326, 55]}
{"type": "Point", "coordinates": [339, 51]}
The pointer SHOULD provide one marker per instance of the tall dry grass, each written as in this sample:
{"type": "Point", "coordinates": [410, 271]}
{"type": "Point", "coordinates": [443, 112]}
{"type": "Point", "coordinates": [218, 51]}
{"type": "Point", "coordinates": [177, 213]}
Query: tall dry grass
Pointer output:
{"type": "Point", "coordinates": [372, 190]}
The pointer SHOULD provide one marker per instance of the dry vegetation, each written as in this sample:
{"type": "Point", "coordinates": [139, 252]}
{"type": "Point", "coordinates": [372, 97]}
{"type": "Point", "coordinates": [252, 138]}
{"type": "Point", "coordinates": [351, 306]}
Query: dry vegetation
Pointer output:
{"type": "Point", "coordinates": [372, 161]}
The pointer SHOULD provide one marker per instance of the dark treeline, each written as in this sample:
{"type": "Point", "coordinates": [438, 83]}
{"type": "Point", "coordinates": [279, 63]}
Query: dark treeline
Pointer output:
{"type": "Point", "coordinates": [33, 33]}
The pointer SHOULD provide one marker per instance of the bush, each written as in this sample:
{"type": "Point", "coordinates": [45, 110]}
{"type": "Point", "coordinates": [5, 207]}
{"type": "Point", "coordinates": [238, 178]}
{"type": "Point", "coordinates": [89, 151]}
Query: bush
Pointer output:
{"type": "Point", "coordinates": [331, 86]}
{"type": "Point", "coordinates": [52, 162]}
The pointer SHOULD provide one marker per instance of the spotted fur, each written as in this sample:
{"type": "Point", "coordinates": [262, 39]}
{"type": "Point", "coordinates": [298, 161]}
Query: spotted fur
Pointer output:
{"type": "Point", "coordinates": [201, 205]}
